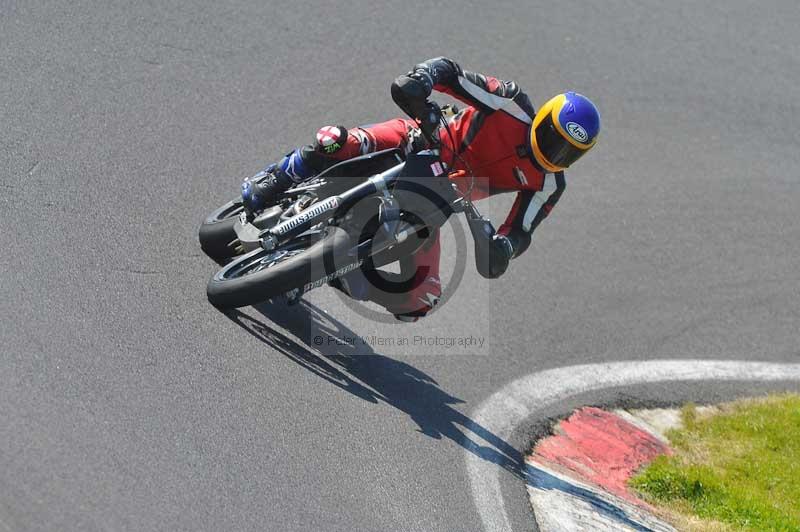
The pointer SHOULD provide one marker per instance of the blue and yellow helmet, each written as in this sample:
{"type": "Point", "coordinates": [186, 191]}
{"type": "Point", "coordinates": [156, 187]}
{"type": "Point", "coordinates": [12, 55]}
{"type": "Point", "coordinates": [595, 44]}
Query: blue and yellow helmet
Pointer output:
{"type": "Point", "coordinates": [563, 130]}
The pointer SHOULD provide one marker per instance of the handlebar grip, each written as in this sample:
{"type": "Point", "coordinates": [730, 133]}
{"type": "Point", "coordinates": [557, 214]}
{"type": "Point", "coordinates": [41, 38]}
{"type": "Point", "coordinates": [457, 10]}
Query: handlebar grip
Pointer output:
{"type": "Point", "coordinates": [430, 121]}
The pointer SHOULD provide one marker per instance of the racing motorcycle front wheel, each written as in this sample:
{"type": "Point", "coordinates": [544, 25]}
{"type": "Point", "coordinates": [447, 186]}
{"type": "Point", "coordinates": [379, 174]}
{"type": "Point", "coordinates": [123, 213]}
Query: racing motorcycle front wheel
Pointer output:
{"type": "Point", "coordinates": [306, 262]}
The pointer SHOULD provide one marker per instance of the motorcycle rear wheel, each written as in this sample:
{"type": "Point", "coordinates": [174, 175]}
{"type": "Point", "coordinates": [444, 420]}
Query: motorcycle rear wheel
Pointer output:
{"type": "Point", "coordinates": [217, 236]}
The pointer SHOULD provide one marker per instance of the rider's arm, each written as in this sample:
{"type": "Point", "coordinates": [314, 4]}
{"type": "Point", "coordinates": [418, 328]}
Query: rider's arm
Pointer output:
{"type": "Point", "coordinates": [530, 208]}
{"type": "Point", "coordinates": [445, 75]}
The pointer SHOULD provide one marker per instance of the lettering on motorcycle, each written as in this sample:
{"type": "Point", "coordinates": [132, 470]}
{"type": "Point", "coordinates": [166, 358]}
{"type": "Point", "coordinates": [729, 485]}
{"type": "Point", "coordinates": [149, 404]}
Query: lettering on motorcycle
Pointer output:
{"type": "Point", "coordinates": [332, 276]}
{"type": "Point", "coordinates": [313, 212]}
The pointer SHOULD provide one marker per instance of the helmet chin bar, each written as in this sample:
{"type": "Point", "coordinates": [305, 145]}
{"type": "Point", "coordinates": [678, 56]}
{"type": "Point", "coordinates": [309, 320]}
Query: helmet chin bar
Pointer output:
{"type": "Point", "coordinates": [544, 163]}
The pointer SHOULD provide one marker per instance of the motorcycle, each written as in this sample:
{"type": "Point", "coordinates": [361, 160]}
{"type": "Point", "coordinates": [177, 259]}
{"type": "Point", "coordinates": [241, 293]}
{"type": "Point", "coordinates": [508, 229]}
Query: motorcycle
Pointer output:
{"type": "Point", "coordinates": [361, 213]}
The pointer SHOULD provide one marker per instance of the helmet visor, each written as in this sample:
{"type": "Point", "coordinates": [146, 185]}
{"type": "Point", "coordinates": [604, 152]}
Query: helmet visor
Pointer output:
{"type": "Point", "coordinates": [554, 147]}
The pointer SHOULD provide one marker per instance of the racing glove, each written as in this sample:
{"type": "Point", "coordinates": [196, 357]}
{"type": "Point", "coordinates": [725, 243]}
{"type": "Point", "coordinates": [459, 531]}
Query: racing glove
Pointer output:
{"type": "Point", "coordinates": [500, 252]}
{"type": "Point", "coordinates": [493, 251]}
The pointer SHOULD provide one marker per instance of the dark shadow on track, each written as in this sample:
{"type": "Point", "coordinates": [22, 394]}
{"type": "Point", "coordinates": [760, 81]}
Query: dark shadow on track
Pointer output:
{"type": "Point", "coordinates": [371, 376]}
{"type": "Point", "coordinates": [356, 368]}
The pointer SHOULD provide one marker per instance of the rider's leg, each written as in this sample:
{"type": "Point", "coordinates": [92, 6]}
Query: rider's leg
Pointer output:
{"type": "Point", "coordinates": [332, 144]}
{"type": "Point", "coordinates": [410, 294]}
{"type": "Point", "coordinates": [291, 169]}
{"type": "Point", "coordinates": [413, 292]}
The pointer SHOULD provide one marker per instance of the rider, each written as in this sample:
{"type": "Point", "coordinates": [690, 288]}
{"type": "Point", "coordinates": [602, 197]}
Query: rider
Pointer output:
{"type": "Point", "coordinates": [499, 134]}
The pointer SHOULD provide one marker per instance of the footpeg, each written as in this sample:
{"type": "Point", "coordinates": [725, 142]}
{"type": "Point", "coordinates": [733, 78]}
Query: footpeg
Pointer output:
{"type": "Point", "coordinates": [293, 297]}
{"type": "Point", "coordinates": [389, 215]}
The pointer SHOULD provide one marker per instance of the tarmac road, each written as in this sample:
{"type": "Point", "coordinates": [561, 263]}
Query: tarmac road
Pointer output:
{"type": "Point", "coordinates": [128, 403]}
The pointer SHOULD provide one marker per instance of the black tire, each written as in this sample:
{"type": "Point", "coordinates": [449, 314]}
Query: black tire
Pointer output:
{"type": "Point", "coordinates": [217, 236]}
{"type": "Point", "coordinates": [236, 285]}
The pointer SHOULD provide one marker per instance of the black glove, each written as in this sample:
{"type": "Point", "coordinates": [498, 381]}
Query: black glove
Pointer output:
{"type": "Point", "coordinates": [500, 253]}
{"type": "Point", "coordinates": [492, 251]}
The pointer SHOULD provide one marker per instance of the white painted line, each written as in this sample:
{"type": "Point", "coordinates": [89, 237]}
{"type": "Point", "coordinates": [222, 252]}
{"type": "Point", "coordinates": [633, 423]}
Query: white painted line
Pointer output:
{"type": "Point", "coordinates": [503, 411]}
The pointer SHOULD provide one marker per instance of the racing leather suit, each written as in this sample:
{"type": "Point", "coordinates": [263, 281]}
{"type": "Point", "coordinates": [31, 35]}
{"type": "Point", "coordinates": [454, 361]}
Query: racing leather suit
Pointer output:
{"type": "Point", "coordinates": [489, 138]}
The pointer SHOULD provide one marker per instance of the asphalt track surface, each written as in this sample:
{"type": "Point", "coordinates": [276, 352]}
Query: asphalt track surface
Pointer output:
{"type": "Point", "coordinates": [128, 403]}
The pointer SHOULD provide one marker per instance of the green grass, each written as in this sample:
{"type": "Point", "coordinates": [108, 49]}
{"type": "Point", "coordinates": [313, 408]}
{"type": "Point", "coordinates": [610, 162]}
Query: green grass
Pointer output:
{"type": "Point", "coordinates": [738, 469]}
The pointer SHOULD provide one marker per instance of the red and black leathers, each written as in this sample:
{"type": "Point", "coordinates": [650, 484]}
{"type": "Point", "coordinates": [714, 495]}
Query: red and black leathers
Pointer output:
{"type": "Point", "coordinates": [488, 139]}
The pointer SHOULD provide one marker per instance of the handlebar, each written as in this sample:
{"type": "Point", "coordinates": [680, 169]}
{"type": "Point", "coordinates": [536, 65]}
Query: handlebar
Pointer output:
{"type": "Point", "coordinates": [430, 122]}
